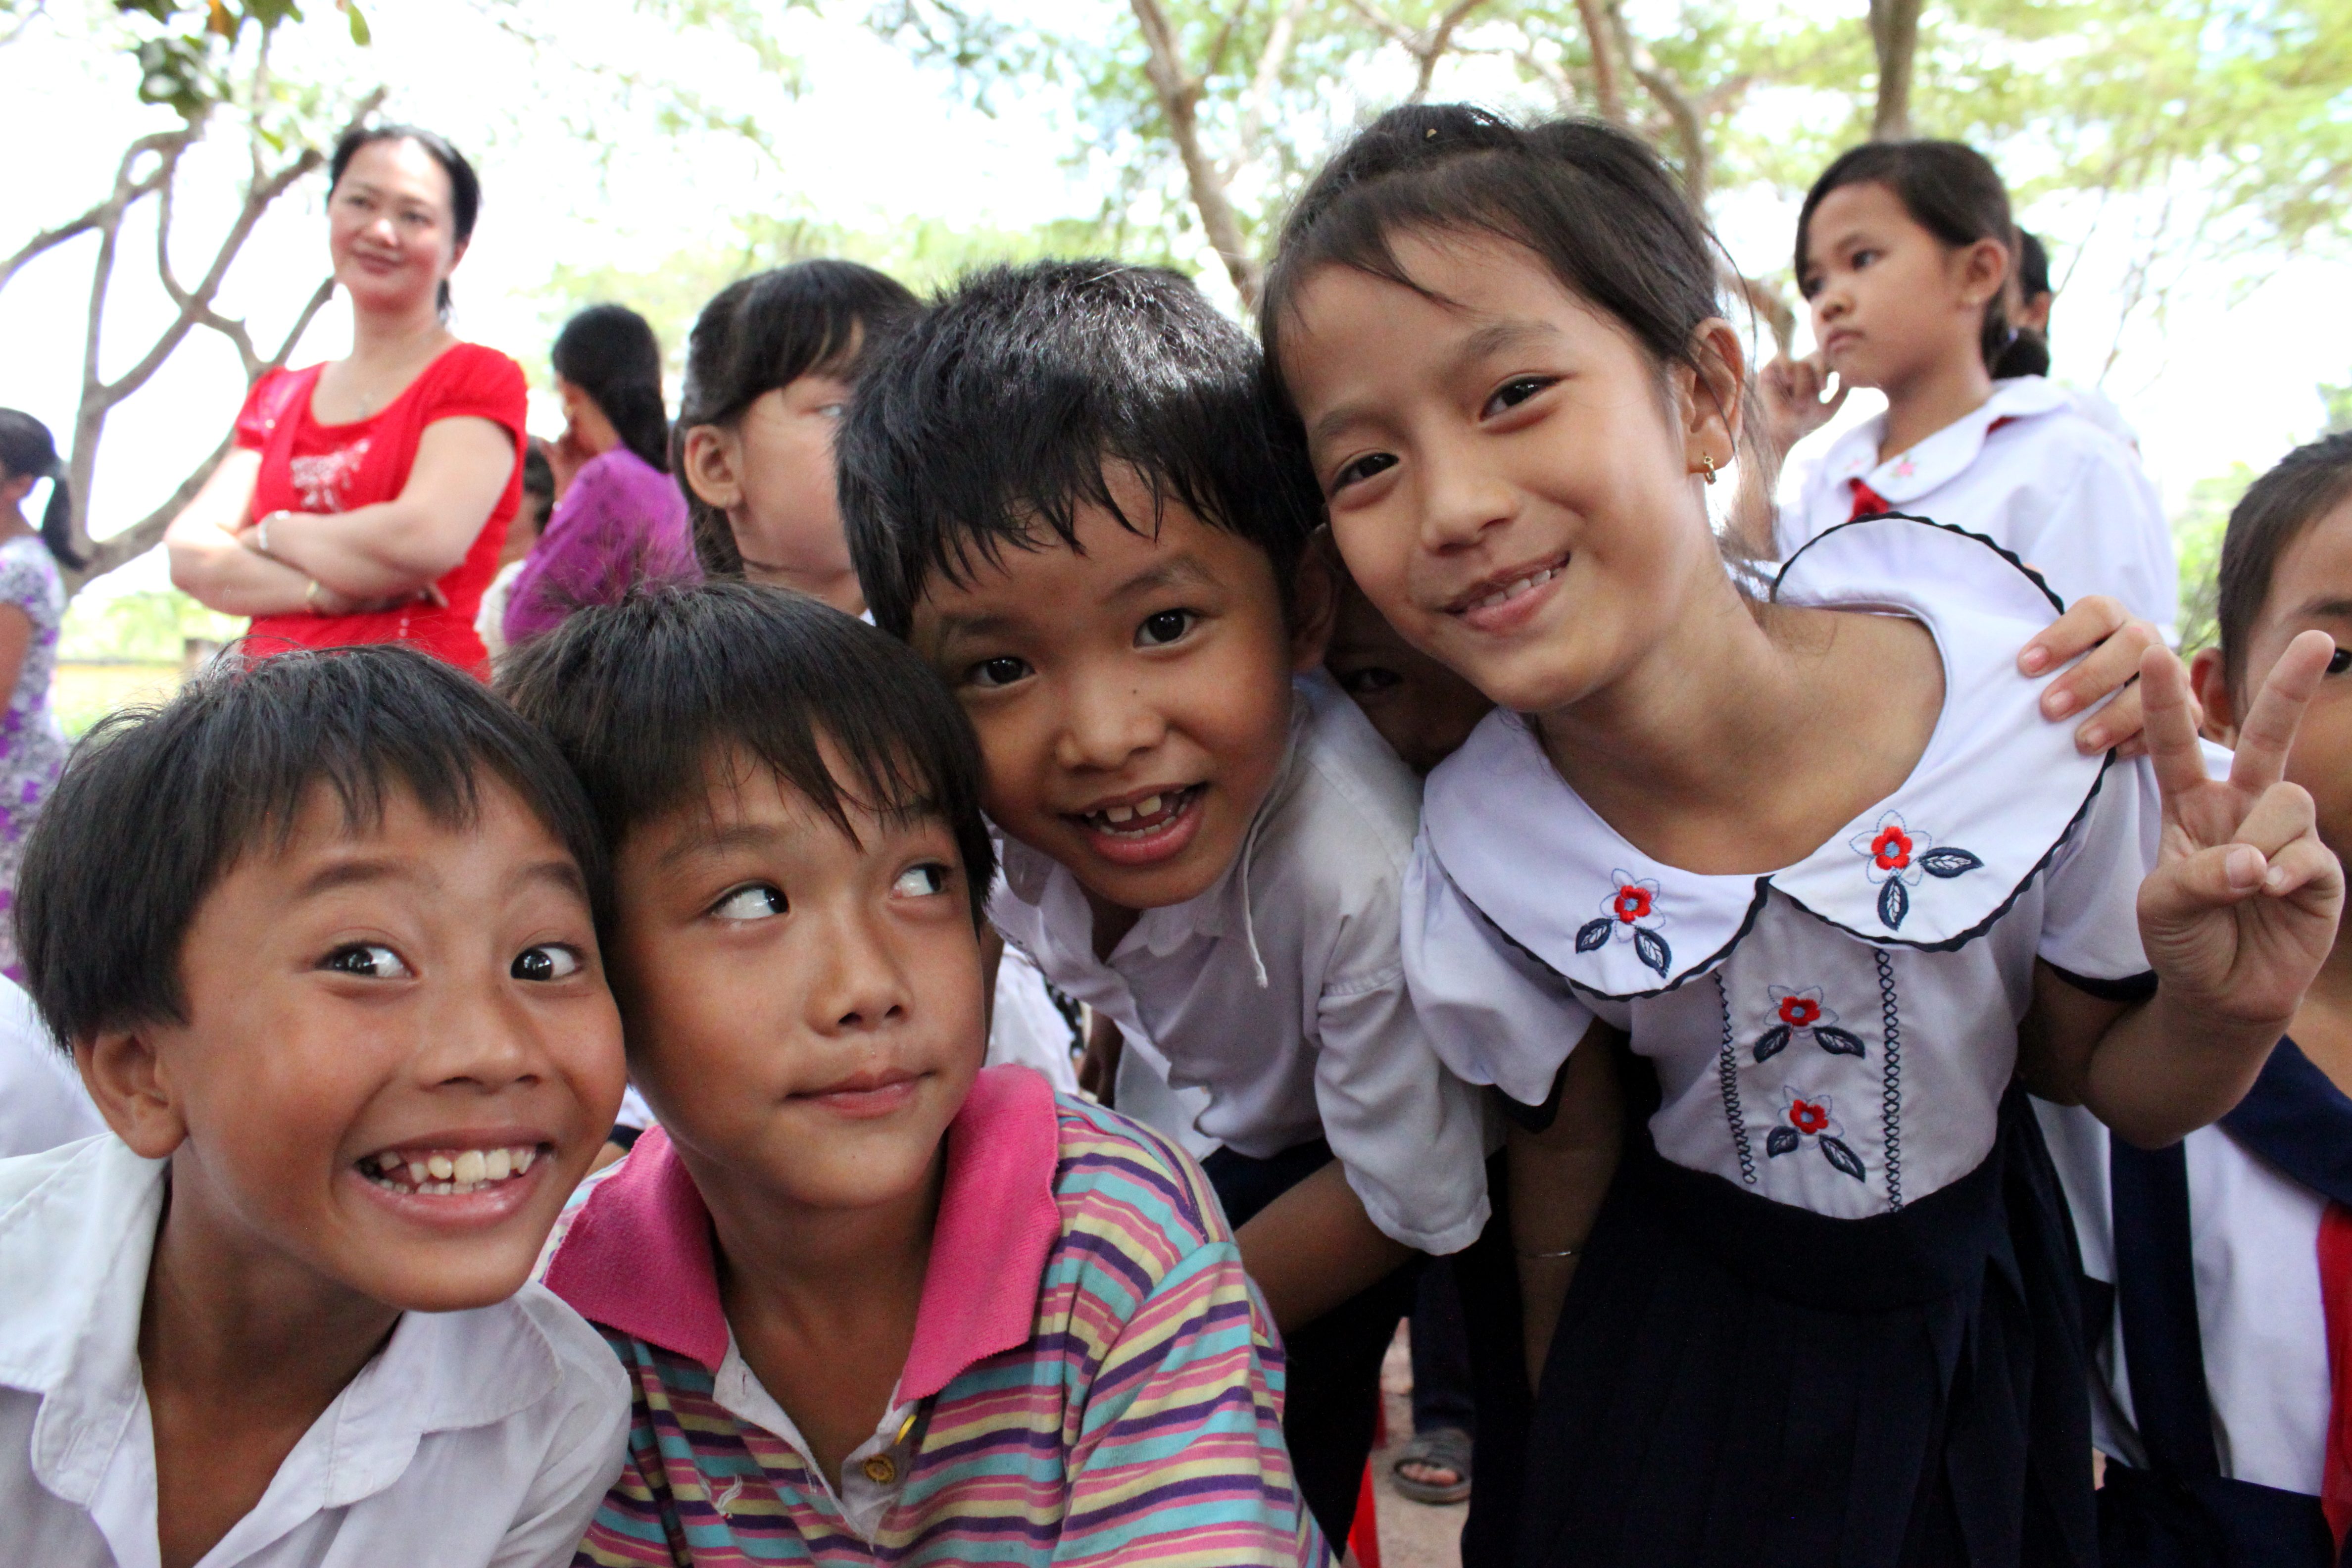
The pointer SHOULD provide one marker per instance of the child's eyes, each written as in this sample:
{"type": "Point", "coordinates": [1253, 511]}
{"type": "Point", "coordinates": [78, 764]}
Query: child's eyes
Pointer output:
{"type": "Point", "coordinates": [756, 903]}
{"type": "Point", "coordinates": [546, 961]}
{"type": "Point", "coordinates": [2339, 661]}
{"type": "Point", "coordinates": [1362, 468]}
{"type": "Point", "coordinates": [834, 410]}
{"type": "Point", "coordinates": [1513, 393]}
{"type": "Point", "coordinates": [923, 881]}
{"type": "Point", "coordinates": [1370, 679]}
{"type": "Point", "coordinates": [369, 959]}
{"type": "Point", "coordinates": [990, 673]}
{"type": "Point", "coordinates": [1861, 258]}
{"type": "Point", "coordinates": [1158, 631]}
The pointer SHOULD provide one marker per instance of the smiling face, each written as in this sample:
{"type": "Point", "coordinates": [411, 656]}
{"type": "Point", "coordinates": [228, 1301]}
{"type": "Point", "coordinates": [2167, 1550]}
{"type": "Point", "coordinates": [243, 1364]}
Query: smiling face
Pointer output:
{"type": "Point", "coordinates": [400, 1056]}
{"type": "Point", "coordinates": [1511, 478]}
{"type": "Point", "coordinates": [1889, 300]}
{"type": "Point", "coordinates": [391, 231]}
{"type": "Point", "coordinates": [805, 1011]}
{"type": "Point", "coordinates": [1132, 696]}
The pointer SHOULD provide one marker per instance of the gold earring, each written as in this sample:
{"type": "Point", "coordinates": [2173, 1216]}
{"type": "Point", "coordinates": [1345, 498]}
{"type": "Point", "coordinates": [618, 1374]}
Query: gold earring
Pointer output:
{"type": "Point", "coordinates": [1706, 465]}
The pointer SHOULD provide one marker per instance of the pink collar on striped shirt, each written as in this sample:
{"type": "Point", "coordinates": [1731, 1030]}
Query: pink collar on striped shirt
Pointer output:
{"type": "Point", "coordinates": [638, 1256]}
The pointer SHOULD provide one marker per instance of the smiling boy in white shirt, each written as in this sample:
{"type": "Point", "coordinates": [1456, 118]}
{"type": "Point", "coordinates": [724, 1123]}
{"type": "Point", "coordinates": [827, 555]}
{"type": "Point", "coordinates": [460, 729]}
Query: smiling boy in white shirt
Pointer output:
{"type": "Point", "coordinates": [320, 934]}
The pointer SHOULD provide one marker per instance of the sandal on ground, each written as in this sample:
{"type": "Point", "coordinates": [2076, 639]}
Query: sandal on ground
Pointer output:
{"type": "Point", "coordinates": [1442, 1448]}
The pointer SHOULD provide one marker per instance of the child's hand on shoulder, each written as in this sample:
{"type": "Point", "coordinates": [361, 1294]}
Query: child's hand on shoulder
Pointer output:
{"type": "Point", "coordinates": [2110, 642]}
{"type": "Point", "coordinates": [1794, 406]}
{"type": "Point", "coordinates": [2241, 907]}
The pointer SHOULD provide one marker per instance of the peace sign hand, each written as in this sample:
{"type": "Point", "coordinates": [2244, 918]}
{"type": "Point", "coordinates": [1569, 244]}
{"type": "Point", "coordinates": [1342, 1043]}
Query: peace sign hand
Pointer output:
{"type": "Point", "coordinates": [2241, 909]}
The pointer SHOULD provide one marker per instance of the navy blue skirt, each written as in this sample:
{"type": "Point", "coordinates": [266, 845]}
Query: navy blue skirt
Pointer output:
{"type": "Point", "coordinates": [1740, 1382]}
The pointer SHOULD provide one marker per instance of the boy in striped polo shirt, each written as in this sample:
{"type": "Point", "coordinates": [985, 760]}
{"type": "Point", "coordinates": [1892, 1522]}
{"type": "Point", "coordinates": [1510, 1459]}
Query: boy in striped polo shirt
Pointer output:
{"type": "Point", "coordinates": [876, 1304]}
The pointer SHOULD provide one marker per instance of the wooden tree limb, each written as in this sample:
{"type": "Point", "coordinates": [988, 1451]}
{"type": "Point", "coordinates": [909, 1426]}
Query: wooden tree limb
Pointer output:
{"type": "Point", "coordinates": [1179, 92]}
{"type": "Point", "coordinates": [167, 143]}
{"type": "Point", "coordinates": [1427, 47]}
{"type": "Point", "coordinates": [1895, 37]}
{"type": "Point", "coordinates": [1608, 97]}
{"type": "Point", "coordinates": [1279, 40]}
{"type": "Point", "coordinates": [1689, 125]}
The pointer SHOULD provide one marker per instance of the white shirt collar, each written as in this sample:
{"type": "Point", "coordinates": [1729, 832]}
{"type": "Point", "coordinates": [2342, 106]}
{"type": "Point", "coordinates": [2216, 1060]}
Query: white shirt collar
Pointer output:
{"type": "Point", "coordinates": [74, 1249]}
{"type": "Point", "coordinates": [1944, 456]}
{"type": "Point", "coordinates": [1992, 798]}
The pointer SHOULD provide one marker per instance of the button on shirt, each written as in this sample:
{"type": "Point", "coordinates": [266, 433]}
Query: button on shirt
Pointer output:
{"type": "Point", "coordinates": [481, 1437]}
{"type": "Point", "coordinates": [1280, 990]}
{"type": "Point", "coordinates": [2030, 473]}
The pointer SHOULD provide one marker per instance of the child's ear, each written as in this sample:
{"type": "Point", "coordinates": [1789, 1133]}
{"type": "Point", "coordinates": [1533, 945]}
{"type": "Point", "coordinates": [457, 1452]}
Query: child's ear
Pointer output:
{"type": "Point", "coordinates": [2208, 678]}
{"type": "Point", "coordinates": [1984, 271]}
{"type": "Point", "coordinates": [1711, 405]}
{"type": "Point", "coordinates": [1314, 603]}
{"type": "Point", "coordinates": [125, 1077]}
{"type": "Point", "coordinates": [712, 462]}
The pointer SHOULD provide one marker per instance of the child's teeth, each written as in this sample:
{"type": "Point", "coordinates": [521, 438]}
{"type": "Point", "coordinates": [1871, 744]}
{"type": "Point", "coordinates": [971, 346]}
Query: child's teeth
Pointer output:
{"type": "Point", "coordinates": [522, 1159]}
{"type": "Point", "coordinates": [468, 1166]}
{"type": "Point", "coordinates": [441, 1165]}
{"type": "Point", "coordinates": [1148, 806]}
{"type": "Point", "coordinates": [497, 1165]}
{"type": "Point", "coordinates": [417, 1172]}
{"type": "Point", "coordinates": [1119, 813]}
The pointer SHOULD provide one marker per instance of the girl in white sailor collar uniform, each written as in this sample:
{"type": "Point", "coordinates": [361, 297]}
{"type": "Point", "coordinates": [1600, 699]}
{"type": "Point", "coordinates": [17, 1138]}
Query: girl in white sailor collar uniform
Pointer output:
{"type": "Point", "coordinates": [1817, 856]}
{"type": "Point", "coordinates": [1903, 249]}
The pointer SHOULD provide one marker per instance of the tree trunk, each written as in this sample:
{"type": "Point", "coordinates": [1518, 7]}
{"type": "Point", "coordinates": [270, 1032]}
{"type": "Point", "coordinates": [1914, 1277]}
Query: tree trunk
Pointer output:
{"type": "Point", "coordinates": [1894, 36]}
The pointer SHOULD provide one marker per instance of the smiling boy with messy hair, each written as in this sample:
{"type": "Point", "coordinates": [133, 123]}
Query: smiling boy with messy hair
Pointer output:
{"type": "Point", "coordinates": [1062, 487]}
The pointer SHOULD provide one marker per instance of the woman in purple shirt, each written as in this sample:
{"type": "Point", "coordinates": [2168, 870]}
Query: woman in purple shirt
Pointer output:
{"type": "Point", "coordinates": [621, 519]}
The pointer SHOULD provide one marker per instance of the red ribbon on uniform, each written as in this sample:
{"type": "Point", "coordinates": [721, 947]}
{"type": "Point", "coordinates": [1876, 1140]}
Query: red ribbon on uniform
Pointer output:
{"type": "Point", "coordinates": [2336, 1298]}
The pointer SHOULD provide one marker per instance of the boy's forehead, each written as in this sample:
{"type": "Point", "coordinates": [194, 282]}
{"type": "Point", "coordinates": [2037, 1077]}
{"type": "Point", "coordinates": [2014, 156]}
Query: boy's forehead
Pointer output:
{"type": "Point", "coordinates": [2313, 580]}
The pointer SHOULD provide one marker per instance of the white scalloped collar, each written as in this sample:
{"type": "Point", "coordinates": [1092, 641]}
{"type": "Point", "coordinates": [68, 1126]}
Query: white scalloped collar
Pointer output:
{"type": "Point", "coordinates": [1932, 866]}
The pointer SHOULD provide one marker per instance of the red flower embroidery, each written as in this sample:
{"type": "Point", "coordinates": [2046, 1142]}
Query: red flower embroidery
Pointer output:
{"type": "Point", "coordinates": [1808, 1117]}
{"type": "Point", "coordinates": [1800, 1012]}
{"type": "Point", "coordinates": [1633, 902]}
{"type": "Point", "coordinates": [1891, 849]}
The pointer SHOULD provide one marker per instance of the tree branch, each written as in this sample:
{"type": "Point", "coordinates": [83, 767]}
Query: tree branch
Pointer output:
{"type": "Point", "coordinates": [167, 145]}
{"type": "Point", "coordinates": [1605, 90]}
{"type": "Point", "coordinates": [1179, 92]}
{"type": "Point", "coordinates": [1279, 39]}
{"type": "Point", "coordinates": [1895, 37]}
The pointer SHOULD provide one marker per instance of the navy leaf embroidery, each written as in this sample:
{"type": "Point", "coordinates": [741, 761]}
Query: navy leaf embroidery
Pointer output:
{"type": "Point", "coordinates": [1834, 1151]}
{"type": "Point", "coordinates": [1653, 949]}
{"type": "Point", "coordinates": [1783, 1141]}
{"type": "Point", "coordinates": [1592, 935]}
{"type": "Point", "coordinates": [1894, 903]}
{"type": "Point", "coordinates": [1947, 862]}
{"type": "Point", "coordinates": [1838, 1042]}
{"type": "Point", "coordinates": [1775, 1041]}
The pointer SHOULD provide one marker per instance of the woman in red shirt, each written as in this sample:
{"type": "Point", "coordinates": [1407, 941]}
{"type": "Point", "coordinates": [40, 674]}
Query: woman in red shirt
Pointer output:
{"type": "Point", "coordinates": [365, 499]}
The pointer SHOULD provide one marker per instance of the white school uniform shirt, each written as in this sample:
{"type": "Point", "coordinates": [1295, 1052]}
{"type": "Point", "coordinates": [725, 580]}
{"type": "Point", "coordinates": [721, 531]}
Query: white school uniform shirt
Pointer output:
{"type": "Point", "coordinates": [2029, 472]}
{"type": "Point", "coordinates": [473, 1437]}
{"type": "Point", "coordinates": [1279, 991]}
{"type": "Point", "coordinates": [1027, 1028]}
{"type": "Point", "coordinates": [42, 1102]}
{"type": "Point", "coordinates": [2254, 1240]}
{"type": "Point", "coordinates": [1836, 1035]}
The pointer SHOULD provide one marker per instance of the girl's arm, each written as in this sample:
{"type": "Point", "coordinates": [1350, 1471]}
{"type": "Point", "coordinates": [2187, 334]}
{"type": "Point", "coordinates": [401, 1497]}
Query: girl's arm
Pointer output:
{"type": "Point", "coordinates": [2236, 919]}
{"type": "Point", "coordinates": [208, 562]}
{"type": "Point", "coordinates": [1314, 1248]}
{"type": "Point", "coordinates": [1559, 1177]}
{"type": "Point", "coordinates": [397, 548]}
{"type": "Point", "coordinates": [16, 641]}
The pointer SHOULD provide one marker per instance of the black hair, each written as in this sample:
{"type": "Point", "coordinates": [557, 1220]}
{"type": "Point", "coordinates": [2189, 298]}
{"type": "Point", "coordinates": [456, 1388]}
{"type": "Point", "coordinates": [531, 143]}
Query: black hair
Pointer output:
{"type": "Point", "coordinates": [26, 447]}
{"type": "Point", "coordinates": [998, 409]}
{"type": "Point", "coordinates": [766, 331]}
{"type": "Point", "coordinates": [538, 481]}
{"type": "Point", "coordinates": [1951, 190]}
{"type": "Point", "coordinates": [1594, 205]}
{"type": "Point", "coordinates": [2306, 485]}
{"type": "Point", "coordinates": [157, 805]}
{"type": "Point", "coordinates": [2029, 350]}
{"type": "Point", "coordinates": [644, 696]}
{"type": "Point", "coordinates": [609, 352]}
{"type": "Point", "coordinates": [465, 186]}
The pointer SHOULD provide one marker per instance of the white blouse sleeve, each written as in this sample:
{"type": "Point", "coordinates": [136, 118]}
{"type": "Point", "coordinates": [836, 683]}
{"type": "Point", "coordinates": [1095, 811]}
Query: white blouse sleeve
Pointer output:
{"type": "Point", "coordinates": [2090, 917]}
{"type": "Point", "coordinates": [1494, 1016]}
{"type": "Point", "coordinates": [2106, 534]}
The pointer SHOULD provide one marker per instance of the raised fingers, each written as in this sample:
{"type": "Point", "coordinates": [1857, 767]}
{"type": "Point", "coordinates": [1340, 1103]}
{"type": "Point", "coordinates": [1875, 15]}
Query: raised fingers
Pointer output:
{"type": "Point", "coordinates": [2171, 731]}
{"type": "Point", "coordinates": [2270, 725]}
{"type": "Point", "coordinates": [2087, 623]}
